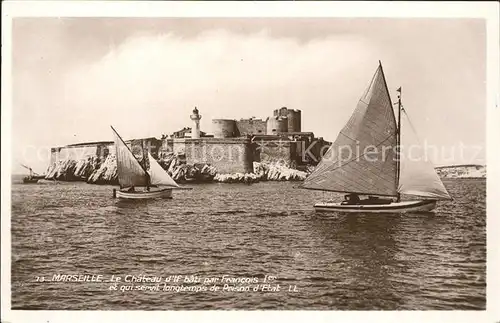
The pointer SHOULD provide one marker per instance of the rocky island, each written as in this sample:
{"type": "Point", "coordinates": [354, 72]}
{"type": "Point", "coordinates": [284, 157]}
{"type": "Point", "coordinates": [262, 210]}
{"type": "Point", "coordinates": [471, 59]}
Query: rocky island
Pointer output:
{"type": "Point", "coordinates": [248, 150]}
{"type": "Point", "coordinates": [95, 170]}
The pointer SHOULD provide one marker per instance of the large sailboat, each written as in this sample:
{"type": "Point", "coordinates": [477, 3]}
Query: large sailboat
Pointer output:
{"type": "Point", "coordinates": [366, 160]}
{"type": "Point", "coordinates": [132, 174]}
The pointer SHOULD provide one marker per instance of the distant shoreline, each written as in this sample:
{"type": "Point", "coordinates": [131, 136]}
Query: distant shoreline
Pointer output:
{"type": "Point", "coordinates": [263, 173]}
{"type": "Point", "coordinates": [437, 167]}
{"type": "Point", "coordinates": [460, 165]}
{"type": "Point", "coordinates": [20, 177]}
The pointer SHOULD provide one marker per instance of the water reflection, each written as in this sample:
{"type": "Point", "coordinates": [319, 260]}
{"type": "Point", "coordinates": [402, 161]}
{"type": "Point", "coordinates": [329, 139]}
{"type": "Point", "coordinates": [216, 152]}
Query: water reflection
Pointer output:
{"type": "Point", "coordinates": [143, 233]}
{"type": "Point", "coordinates": [124, 225]}
{"type": "Point", "coordinates": [366, 251]}
{"type": "Point", "coordinates": [411, 261]}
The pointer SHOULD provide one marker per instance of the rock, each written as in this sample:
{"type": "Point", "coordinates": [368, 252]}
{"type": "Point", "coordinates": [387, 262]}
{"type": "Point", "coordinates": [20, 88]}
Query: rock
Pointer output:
{"type": "Point", "coordinates": [85, 167]}
{"type": "Point", "coordinates": [263, 172]}
{"type": "Point", "coordinates": [63, 170]}
{"type": "Point", "coordinates": [237, 178]}
{"type": "Point", "coordinates": [278, 172]}
{"type": "Point", "coordinates": [106, 173]}
{"type": "Point", "coordinates": [168, 161]}
{"type": "Point", "coordinates": [72, 170]}
{"type": "Point", "coordinates": [96, 170]}
{"type": "Point", "coordinates": [209, 170]}
{"type": "Point", "coordinates": [309, 169]}
{"type": "Point", "coordinates": [179, 173]}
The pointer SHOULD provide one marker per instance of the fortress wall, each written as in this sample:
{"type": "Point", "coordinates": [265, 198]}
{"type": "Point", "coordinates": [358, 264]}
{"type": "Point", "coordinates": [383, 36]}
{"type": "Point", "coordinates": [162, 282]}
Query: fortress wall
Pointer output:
{"type": "Point", "coordinates": [251, 126]}
{"type": "Point", "coordinates": [54, 155]}
{"type": "Point", "coordinates": [77, 153]}
{"type": "Point", "coordinates": [167, 146]}
{"type": "Point", "coordinates": [179, 148]}
{"type": "Point", "coordinates": [151, 145]}
{"type": "Point", "coordinates": [276, 151]}
{"type": "Point", "coordinates": [228, 156]}
{"type": "Point", "coordinates": [276, 125]}
{"type": "Point", "coordinates": [224, 128]}
{"type": "Point", "coordinates": [281, 112]}
{"type": "Point", "coordinates": [105, 150]}
{"type": "Point", "coordinates": [310, 153]}
{"type": "Point", "coordinates": [300, 147]}
{"type": "Point", "coordinates": [294, 120]}
{"type": "Point", "coordinates": [80, 152]}
{"type": "Point", "coordinates": [136, 146]}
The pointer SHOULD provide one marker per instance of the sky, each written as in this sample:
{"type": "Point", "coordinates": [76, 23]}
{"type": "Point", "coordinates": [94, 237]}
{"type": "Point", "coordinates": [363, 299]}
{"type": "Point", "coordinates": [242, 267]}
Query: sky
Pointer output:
{"type": "Point", "coordinates": [74, 77]}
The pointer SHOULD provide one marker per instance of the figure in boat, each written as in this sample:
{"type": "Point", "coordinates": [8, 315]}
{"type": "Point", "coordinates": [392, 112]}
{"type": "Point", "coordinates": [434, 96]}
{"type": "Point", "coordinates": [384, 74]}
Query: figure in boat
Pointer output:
{"type": "Point", "coordinates": [374, 124]}
{"type": "Point", "coordinates": [351, 199]}
{"type": "Point", "coordinates": [354, 199]}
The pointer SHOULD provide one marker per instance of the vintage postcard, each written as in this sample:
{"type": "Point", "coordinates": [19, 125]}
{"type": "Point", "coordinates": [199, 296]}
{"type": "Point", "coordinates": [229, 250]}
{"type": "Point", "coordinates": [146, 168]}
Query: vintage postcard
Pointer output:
{"type": "Point", "coordinates": [181, 160]}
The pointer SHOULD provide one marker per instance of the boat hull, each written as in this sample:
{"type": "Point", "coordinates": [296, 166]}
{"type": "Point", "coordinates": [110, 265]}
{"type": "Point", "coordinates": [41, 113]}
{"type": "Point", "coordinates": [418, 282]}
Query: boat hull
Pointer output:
{"type": "Point", "coordinates": [30, 180]}
{"type": "Point", "coordinates": [396, 207]}
{"type": "Point", "coordinates": [144, 195]}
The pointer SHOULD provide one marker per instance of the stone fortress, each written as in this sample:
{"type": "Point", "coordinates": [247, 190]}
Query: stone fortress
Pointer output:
{"type": "Point", "coordinates": [233, 147]}
{"type": "Point", "coordinates": [236, 151]}
{"type": "Point", "coordinates": [236, 144]}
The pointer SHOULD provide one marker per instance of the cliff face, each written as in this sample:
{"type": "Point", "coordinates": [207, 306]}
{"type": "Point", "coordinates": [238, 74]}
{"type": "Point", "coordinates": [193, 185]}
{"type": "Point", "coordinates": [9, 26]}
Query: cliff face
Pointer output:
{"type": "Point", "coordinates": [103, 170]}
{"type": "Point", "coordinates": [81, 170]}
{"type": "Point", "coordinates": [263, 172]}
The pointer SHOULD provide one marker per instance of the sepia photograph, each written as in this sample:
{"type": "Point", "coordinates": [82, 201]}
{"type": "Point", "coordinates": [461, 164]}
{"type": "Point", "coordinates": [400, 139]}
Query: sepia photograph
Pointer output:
{"type": "Point", "coordinates": [167, 163]}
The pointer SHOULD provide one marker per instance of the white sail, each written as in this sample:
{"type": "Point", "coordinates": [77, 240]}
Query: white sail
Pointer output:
{"type": "Point", "coordinates": [130, 172]}
{"type": "Point", "coordinates": [347, 167]}
{"type": "Point", "coordinates": [418, 176]}
{"type": "Point", "coordinates": [158, 175]}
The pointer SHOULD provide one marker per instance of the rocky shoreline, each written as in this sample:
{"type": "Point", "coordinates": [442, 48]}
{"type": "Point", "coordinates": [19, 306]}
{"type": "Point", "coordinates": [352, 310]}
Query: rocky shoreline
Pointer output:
{"type": "Point", "coordinates": [471, 171]}
{"type": "Point", "coordinates": [96, 170]}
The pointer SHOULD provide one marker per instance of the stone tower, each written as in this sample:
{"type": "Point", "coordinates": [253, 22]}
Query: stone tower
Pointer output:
{"type": "Point", "coordinates": [195, 132]}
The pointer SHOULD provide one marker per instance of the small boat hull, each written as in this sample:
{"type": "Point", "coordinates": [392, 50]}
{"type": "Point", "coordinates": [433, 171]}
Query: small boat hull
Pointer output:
{"type": "Point", "coordinates": [30, 180]}
{"type": "Point", "coordinates": [395, 207]}
{"type": "Point", "coordinates": [144, 195]}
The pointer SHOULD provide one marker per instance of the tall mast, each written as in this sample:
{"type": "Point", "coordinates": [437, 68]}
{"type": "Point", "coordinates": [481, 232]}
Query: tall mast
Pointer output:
{"type": "Point", "coordinates": [148, 179]}
{"type": "Point", "coordinates": [399, 141]}
{"type": "Point", "coordinates": [398, 130]}
{"type": "Point", "coordinates": [144, 164]}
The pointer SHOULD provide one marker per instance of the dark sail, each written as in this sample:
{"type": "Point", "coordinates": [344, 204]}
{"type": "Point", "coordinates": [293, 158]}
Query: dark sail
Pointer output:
{"type": "Point", "coordinates": [130, 172]}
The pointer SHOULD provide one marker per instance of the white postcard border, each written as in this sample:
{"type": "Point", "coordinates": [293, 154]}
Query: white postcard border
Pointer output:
{"type": "Point", "coordinates": [484, 10]}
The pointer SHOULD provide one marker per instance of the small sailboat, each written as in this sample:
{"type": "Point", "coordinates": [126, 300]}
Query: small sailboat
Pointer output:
{"type": "Point", "coordinates": [132, 174]}
{"type": "Point", "coordinates": [33, 177]}
{"type": "Point", "coordinates": [366, 159]}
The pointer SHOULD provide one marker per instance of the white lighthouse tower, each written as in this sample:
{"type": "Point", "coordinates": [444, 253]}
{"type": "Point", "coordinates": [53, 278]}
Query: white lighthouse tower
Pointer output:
{"type": "Point", "coordinates": [195, 131]}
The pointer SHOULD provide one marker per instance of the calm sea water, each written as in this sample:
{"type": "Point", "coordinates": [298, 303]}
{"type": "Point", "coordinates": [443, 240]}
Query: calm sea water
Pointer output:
{"type": "Point", "coordinates": [337, 262]}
